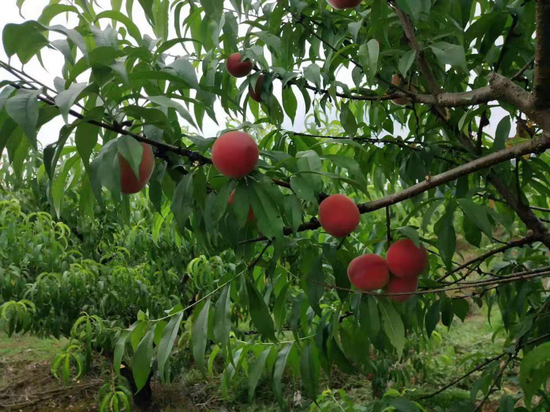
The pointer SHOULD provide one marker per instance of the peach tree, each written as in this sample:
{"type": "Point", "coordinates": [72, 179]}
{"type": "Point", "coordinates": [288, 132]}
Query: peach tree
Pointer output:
{"type": "Point", "coordinates": [430, 118]}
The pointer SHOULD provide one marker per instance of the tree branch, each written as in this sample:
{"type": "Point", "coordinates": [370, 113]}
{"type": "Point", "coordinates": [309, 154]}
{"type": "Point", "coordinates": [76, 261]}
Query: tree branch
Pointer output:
{"type": "Point", "coordinates": [515, 96]}
{"type": "Point", "coordinates": [515, 277]}
{"type": "Point", "coordinates": [454, 382]}
{"type": "Point", "coordinates": [533, 146]}
{"type": "Point", "coordinates": [516, 243]}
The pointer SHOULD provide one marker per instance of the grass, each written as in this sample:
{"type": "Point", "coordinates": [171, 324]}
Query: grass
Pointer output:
{"type": "Point", "coordinates": [28, 348]}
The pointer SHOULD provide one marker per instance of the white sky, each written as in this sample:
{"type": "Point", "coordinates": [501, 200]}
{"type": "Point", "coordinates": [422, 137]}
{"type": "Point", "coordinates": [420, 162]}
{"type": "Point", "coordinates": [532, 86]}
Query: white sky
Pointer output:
{"type": "Point", "coordinates": [53, 61]}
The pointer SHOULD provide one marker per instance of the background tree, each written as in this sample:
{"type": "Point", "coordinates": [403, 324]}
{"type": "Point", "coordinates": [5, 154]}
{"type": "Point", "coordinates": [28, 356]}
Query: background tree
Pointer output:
{"type": "Point", "coordinates": [398, 94]}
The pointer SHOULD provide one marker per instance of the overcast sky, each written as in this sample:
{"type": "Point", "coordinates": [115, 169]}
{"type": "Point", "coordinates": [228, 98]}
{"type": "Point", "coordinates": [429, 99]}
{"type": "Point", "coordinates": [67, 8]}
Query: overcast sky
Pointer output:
{"type": "Point", "coordinates": [53, 61]}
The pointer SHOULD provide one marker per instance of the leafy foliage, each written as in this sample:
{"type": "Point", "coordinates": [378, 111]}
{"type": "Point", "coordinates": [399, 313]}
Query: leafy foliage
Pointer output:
{"type": "Point", "coordinates": [175, 272]}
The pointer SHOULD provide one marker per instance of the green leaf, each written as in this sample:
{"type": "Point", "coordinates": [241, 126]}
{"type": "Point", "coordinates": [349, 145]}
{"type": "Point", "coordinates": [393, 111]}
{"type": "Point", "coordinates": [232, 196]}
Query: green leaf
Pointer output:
{"type": "Point", "coordinates": [347, 118]}
{"type": "Point", "coordinates": [167, 102]}
{"type": "Point", "coordinates": [259, 312]}
{"type": "Point", "coordinates": [186, 71]}
{"type": "Point", "coordinates": [67, 98]}
{"type": "Point", "coordinates": [290, 103]}
{"type": "Point", "coordinates": [411, 234]}
{"type": "Point", "coordinates": [451, 54]}
{"type": "Point", "coordinates": [182, 202]}
{"type": "Point", "coordinates": [471, 231]}
{"type": "Point", "coordinates": [461, 308]}
{"type": "Point", "coordinates": [25, 40]}
{"type": "Point", "coordinates": [446, 237]}
{"type": "Point", "coordinates": [23, 108]}
{"type": "Point", "coordinates": [222, 320]}
{"type": "Point", "coordinates": [53, 10]}
{"type": "Point", "coordinates": [415, 8]}
{"type": "Point", "coordinates": [535, 371]}
{"type": "Point", "coordinates": [118, 16]}
{"type": "Point", "coordinates": [369, 54]}
{"type": "Point", "coordinates": [312, 73]}
{"type": "Point", "coordinates": [141, 362]}
{"type": "Point", "coordinates": [58, 186]}
{"type": "Point", "coordinates": [104, 170]}
{"type": "Point", "coordinates": [161, 14]}
{"type": "Point", "coordinates": [315, 281]}
{"type": "Point", "coordinates": [507, 404]}
{"type": "Point", "coordinates": [74, 36]}
{"type": "Point", "coordinates": [432, 317]}
{"type": "Point", "coordinates": [502, 134]}
{"type": "Point", "coordinates": [256, 372]}
{"type": "Point", "coordinates": [309, 369]}
{"type": "Point", "coordinates": [271, 40]}
{"type": "Point", "coordinates": [86, 139]}
{"type": "Point", "coordinates": [406, 62]}
{"type": "Point", "coordinates": [301, 186]}
{"type": "Point", "coordinates": [478, 214]}
{"type": "Point", "coordinates": [213, 8]}
{"type": "Point", "coordinates": [293, 211]}
{"type": "Point", "coordinates": [337, 356]}
{"type": "Point", "coordinates": [5, 95]}
{"type": "Point", "coordinates": [369, 318]}
{"type": "Point", "coordinates": [447, 313]}
{"type": "Point", "coordinates": [132, 151]}
{"type": "Point", "coordinates": [404, 405]}
{"type": "Point", "coordinates": [392, 325]}
{"type": "Point", "coordinates": [169, 335]}
{"type": "Point", "coordinates": [119, 348]}
{"type": "Point", "coordinates": [354, 28]}
{"type": "Point", "coordinates": [200, 335]}
{"type": "Point", "coordinates": [279, 368]}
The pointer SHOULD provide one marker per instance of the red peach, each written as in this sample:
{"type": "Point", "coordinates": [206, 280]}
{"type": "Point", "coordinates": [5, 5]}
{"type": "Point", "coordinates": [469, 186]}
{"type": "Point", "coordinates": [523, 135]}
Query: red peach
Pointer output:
{"type": "Point", "coordinates": [236, 67]}
{"type": "Point", "coordinates": [406, 260]}
{"type": "Point", "coordinates": [129, 182]}
{"type": "Point", "coordinates": [344, 4]}
{"type": "Point", "coordinates": [400, 285]}
{"type": "Point", "coordinates": [251, 215]}
{"type": "Point", "coordinates": [338, 215]}
{"type": "Point", "coordinates": [256, 92]}
{"type": "Point", "coordinates": [235, 154]}
{"type": "Point", "coordinates": [369, 272]}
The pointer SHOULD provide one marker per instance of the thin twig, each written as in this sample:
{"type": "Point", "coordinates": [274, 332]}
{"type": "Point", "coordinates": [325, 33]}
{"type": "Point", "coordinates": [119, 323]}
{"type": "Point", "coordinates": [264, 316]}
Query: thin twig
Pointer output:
{"type": "Point", "coordinates": [516, 243]}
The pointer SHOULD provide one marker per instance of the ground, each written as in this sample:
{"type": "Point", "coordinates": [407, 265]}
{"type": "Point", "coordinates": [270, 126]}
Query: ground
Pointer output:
{"type": "Point", "coordinates": [26, 383]}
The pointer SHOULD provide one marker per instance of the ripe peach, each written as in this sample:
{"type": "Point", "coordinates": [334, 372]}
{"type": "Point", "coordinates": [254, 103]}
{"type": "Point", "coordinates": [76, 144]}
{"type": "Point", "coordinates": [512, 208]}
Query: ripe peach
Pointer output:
{"type": "Point", "coordinates": [400, 285]}
{"type": "Point", "coordinates": [397, 80]}
{"type": "Point", "coordinates": [344, 4]}
{"type": "Point", "coordinates": [235, 154]}
{"type": "Point", "coordinates": [251, 215]}
{"type": "Point", "coordinates": [406, 260]}
{"type": "Point", "coordinates": [338, 215]}
{"type": "Point", "coordinates": [369, 272]}
{"type": "Point", "coordinates": [129, 182]}
{"type": "Point", "coordinates": [256, 92]}
{"type": "Point", "coordinates": [236, 67]}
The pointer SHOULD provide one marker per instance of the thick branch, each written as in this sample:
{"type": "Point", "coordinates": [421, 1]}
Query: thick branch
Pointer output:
{"type": "Point", "coordinates": [542, 57]}
{"type": "Point", "coordinates": [543, 119]}
{"type": "Point", "coordinates": [500, 88]}
{"type": "Point", "coordinates": [408, 28]}
{"type": "Point", "coordinates": [533, 146]}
